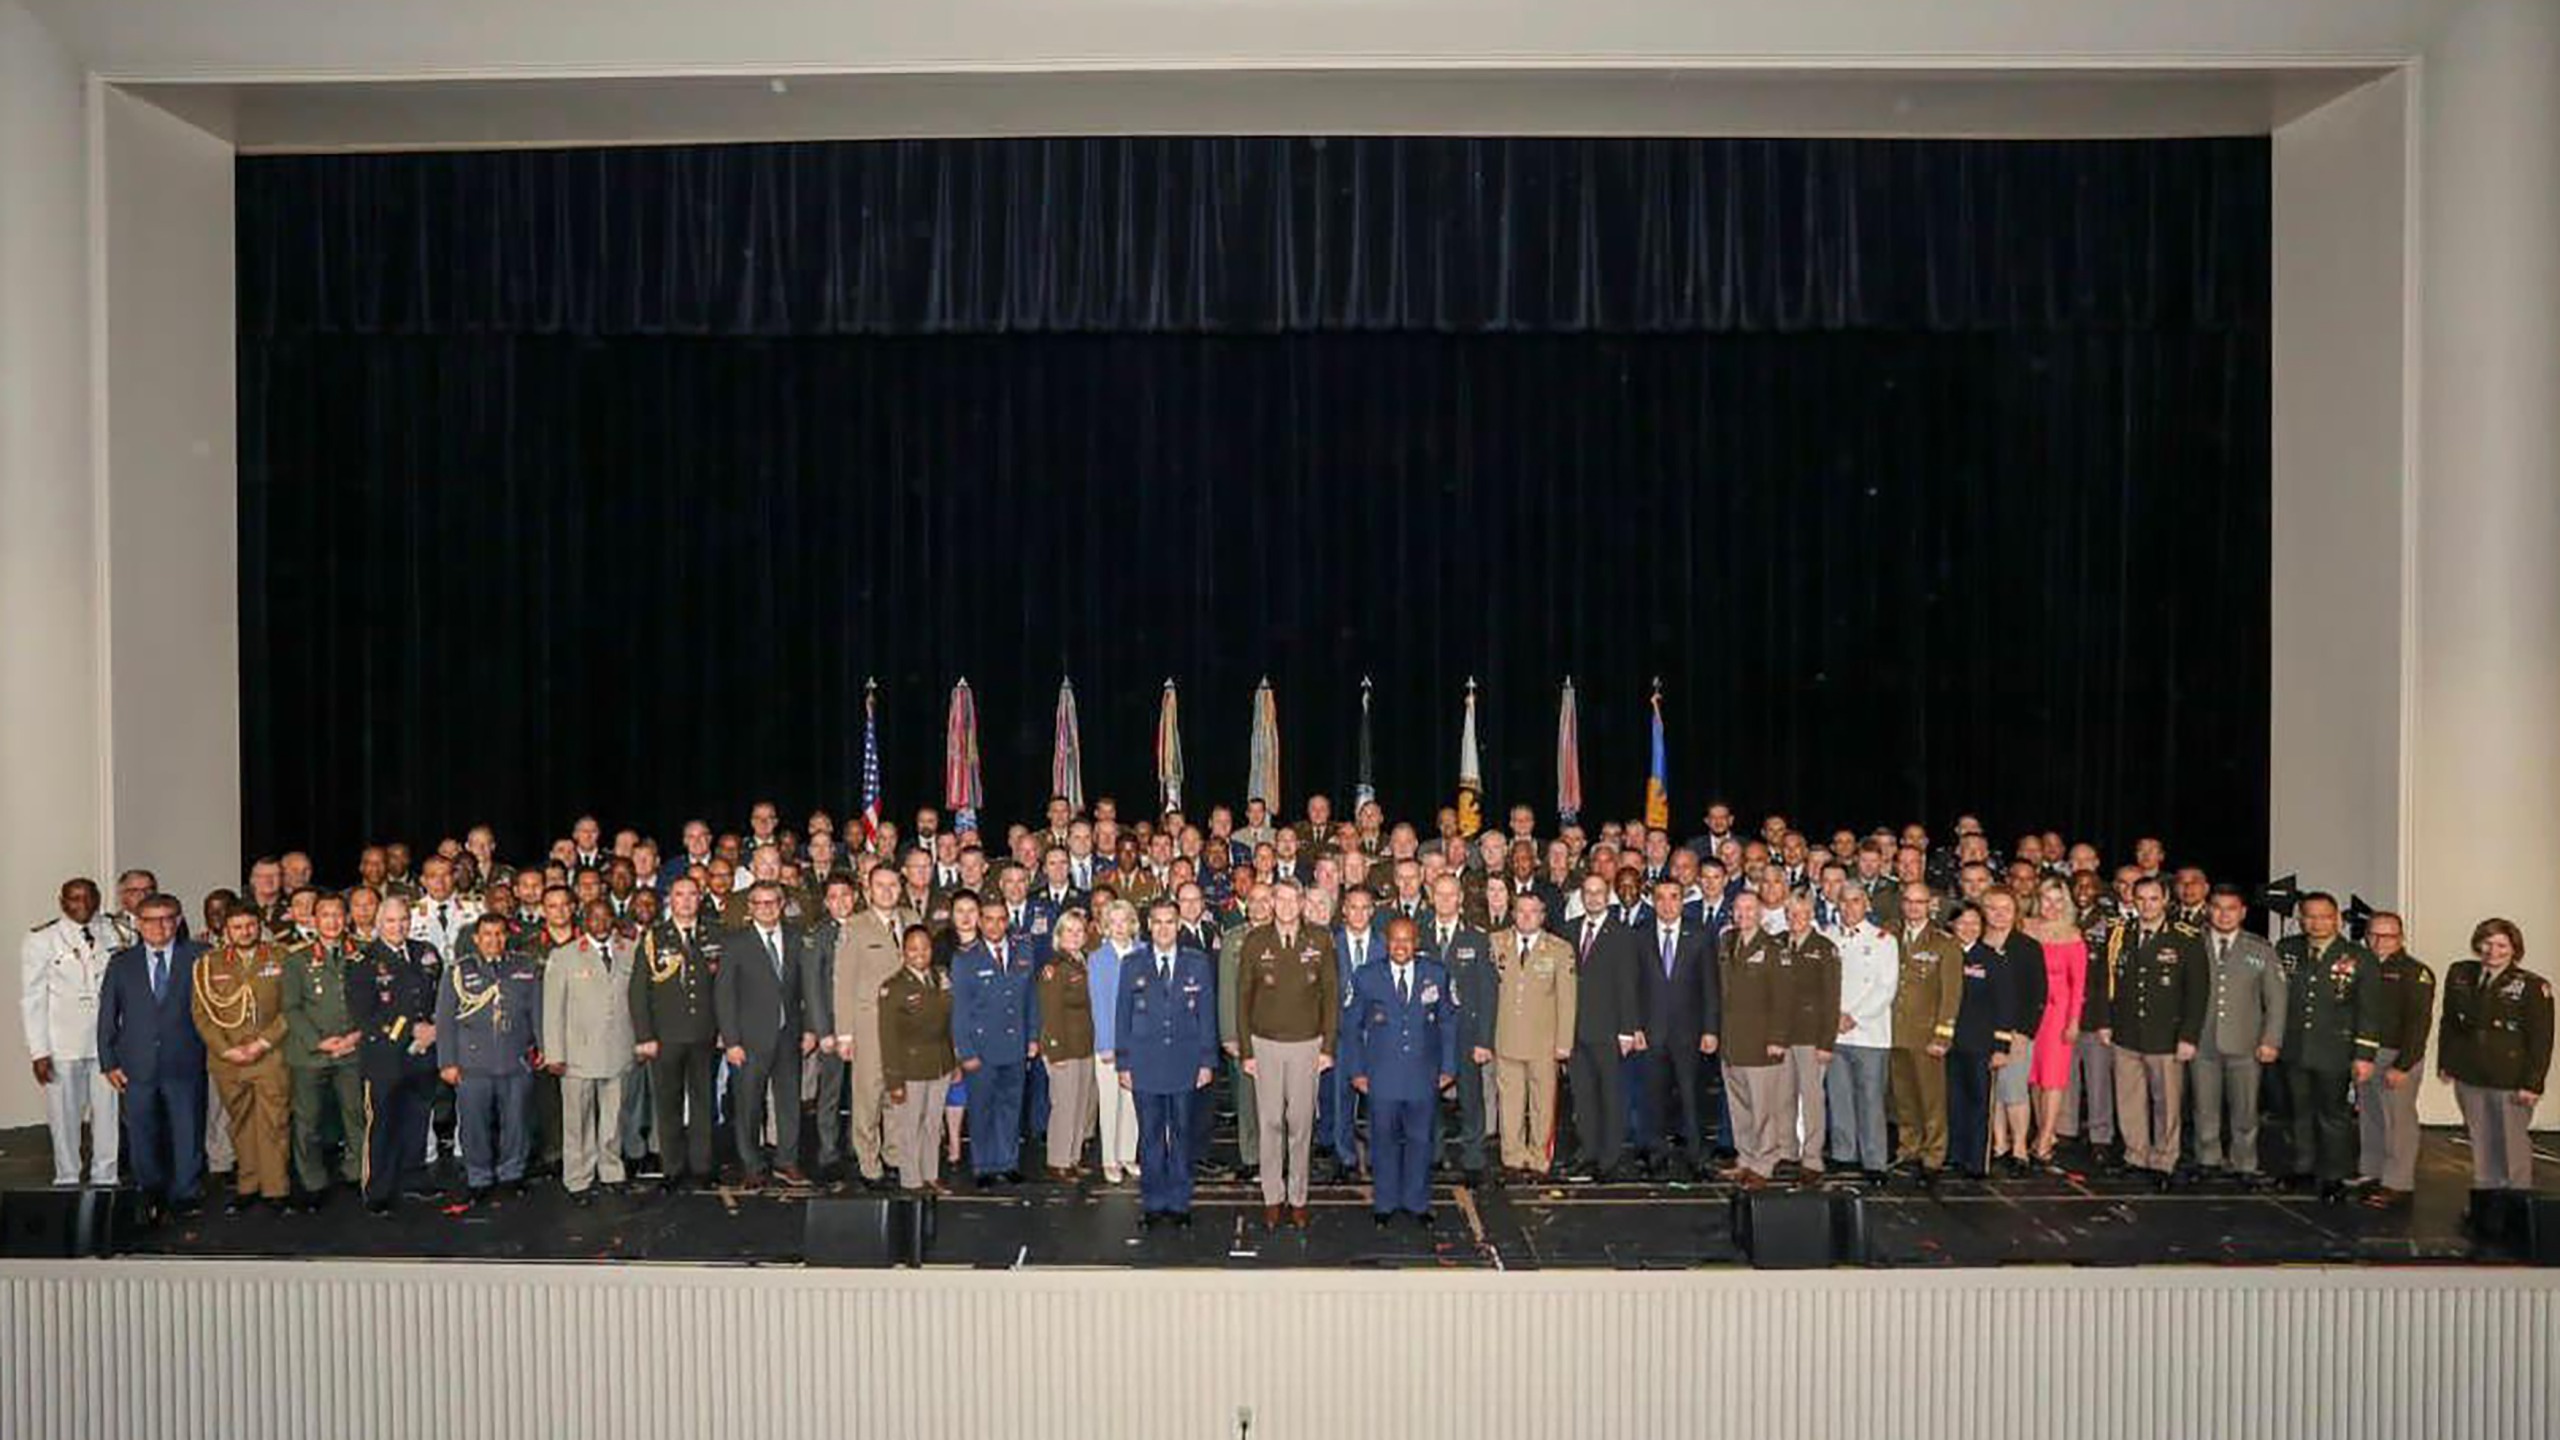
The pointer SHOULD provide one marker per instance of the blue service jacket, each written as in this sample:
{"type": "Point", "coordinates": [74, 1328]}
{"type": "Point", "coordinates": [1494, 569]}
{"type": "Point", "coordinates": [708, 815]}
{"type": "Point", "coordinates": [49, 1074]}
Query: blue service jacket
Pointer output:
{"type": "Point", "coordinates": [144, 1037]}
{"type": "Point", "coordinates": [1167, 1033]}
{"type": "Point", "coordinates": [1402, 1045]}
{"type": "Point", "coordinates": [995, 1009]}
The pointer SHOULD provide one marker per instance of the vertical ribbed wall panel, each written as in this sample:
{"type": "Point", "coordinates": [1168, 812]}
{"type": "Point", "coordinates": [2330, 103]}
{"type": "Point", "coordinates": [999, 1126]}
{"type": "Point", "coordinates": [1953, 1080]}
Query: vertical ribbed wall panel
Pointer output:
{"type": "Point", "coordinates": [501, 1352]}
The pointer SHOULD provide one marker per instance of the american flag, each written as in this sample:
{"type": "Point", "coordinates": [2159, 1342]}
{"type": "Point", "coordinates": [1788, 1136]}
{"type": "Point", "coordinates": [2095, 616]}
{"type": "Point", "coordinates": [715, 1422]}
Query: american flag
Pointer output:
{"type": "Point", "coordinates": [870, 760]}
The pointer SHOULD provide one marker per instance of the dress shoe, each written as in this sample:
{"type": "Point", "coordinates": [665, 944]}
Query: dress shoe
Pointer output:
{"type": "Point", "coordinates": [378, 1209]}
{"type": "Point", "coordinates": [524, 1188]}
{"type": "Point", "coordinates": [1380, 1218]}
{"type": "Point", "coordinates": [878, 1184]}
{"type": "Point", "coordinates": [751, 1182]}
{"type": "Point", "coordinates": [2334, 1193]}
{"type": "Point", "coordinates": [791, 1174]}
{"type": "Point", "coordinates": [476, 1195]}
{"type": "Point", "coordinates": [238, 1204]}
{"type": "Point", "coordinates": [1271, 1217]}
{"type": "Point", "coordinates": [1181, 1219]}
{"type": "Point", "coordinates": [187, 1209]}
{"type": "Point", "coordinates": [2383, 1197]}
{"type": "Point", "coordinates": [672, 1185]}
{"type": "Point", "coordinates": [1300, 1216]}
{"type": "Point", "coordinates": [1423, 1218]}
{"type": "Point", "coordinates": [582, 1198]}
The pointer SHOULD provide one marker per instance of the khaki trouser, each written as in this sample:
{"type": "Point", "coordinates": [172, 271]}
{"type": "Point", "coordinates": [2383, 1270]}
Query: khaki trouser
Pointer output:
{"type": "Point", "coordinates": [2501, 1137]}
{"type": "Point", "coordinates": [2387, 1121]}
{"type": "Point", "coordinates": [1071, 1110]}
{"type": "Point", "coordinates": [218, 1152]}
{"type": "Point", "coordinates": [1804, 1127]}
{"type": "Point", "coordinates": [256, 1098]}
{"type": "Point", "coordinates": [1115, 1119]}
{"type": "Point", "coordinates": [313, 1086]}
{"type": "Point", "coordinates": [1764, 1109]}
{"type": "Point", "coordinates": [914, 1127]}
{"type": "Point", "coordinates": [2230, 1080]}
{"type": "Point", "coordinates": [1525, 1091]}
{"type": "Point", "coordinates": [1918, 1088]}
{"type": "Point", "coordinates": [590, 1131]}
{"type": "Point", "coordinates": [1284, 1098]}
{"type": "Point", "coordinates": [869, 1101]}
{"type": "Point", "coordinates": [2149, 1089]}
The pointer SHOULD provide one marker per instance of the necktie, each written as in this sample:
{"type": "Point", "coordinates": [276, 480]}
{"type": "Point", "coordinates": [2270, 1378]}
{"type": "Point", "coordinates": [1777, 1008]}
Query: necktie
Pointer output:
{"type": "Point", "coordinates": [2221, 948]}
{"type": "Point", "coordinates": [159, 974]}
{"type": "Point", "coordinates": [1590, 932]}
{"type": "Point", "coordinates": [1444, 937]}
{"type": "Point", "coordinates": [1404, 984]}
{"type": "Point", "coordinates": [444, 916]}
{"type": "Point", "coordinates": [1359, 952]}
{"type": "Point", "coordinates": [1164, 968]}
{"type": "Point", "coordinates": [772, 952]}
{"type": "Point", "coordinates": [1669, 945]}
{"type": "Point", "coordinates": [1524, 947]}
{"type": "Point", "coordinates": [999, 954]}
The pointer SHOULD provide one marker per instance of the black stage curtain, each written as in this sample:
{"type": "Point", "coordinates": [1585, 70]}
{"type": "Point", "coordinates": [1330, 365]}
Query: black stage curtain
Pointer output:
{"type": "Point", "coordinates": [1977, 522]}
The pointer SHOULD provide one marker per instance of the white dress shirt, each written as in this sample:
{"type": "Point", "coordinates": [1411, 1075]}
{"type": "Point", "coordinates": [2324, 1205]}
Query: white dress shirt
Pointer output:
{"type": "Point", "coordinates": [1870, 973]}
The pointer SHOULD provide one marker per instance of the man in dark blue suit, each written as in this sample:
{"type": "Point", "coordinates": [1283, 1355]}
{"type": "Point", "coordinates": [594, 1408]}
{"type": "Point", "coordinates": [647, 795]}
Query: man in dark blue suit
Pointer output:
{"type": "Point", "coordinates": [1401, 1047]}
{"type": "Point", "coordinates": [1676, 970]}
{"type": "Point", "coordinates": [1168, 1044]}
{"type": "Point", "coordinates": [1359, 941]}
{"type": "Point", "coordinates": [149, 1049]}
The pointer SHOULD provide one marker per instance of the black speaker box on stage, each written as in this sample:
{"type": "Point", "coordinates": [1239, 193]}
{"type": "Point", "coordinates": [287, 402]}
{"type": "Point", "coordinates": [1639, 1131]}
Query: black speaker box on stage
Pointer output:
{"type": "Point", "coordinates": [66, 1224]}
{"type": "Point", "coordinates": [868, 1232]}
{"type": "Point", "coordinates": [2519, 1224]}
{"type": "Point", "coordinates": [1800, 1229]}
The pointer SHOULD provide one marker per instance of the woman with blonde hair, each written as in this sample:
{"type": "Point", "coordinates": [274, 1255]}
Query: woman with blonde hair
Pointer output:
{"type": "Point", "coordinates": [1116, 1113]}
{"type": "Point", "coordinates": [1066, 1043]}
{"type": "Point", "coordinates": [2055, 926]}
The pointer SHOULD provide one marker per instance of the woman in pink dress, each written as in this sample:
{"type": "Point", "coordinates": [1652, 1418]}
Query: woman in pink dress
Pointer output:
{"type": "Point", "coordinates": [2066, 974]}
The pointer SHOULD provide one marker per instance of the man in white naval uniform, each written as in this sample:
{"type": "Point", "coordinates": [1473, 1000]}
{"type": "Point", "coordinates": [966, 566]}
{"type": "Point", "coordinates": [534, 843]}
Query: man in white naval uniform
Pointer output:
{"type": "Point", "coordinates": [62, 964]}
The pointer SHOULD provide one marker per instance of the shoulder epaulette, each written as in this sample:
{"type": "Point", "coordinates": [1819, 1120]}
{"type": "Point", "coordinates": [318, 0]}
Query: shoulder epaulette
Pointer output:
{"type": "Point", "coordinates": [2183, 928]}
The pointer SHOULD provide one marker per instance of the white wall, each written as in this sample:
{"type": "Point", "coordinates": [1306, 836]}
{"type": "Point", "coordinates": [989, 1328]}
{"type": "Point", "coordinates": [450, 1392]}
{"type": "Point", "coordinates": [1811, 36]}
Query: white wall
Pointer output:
{"type": "Point", "coordinates": [49, 577]}
{"type": "Point", "coordinates": [2484, 826]}
{"type": "Point", "coordinates": [147, 1348]}
{"type": "Point", "coordinates": [2341, 259]}
{"type": "Point", "coordinates": [171, 480]}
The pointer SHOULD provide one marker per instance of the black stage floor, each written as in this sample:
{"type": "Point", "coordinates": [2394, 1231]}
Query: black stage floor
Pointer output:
{"type": "Point", "coordinates": [2070, 1218]}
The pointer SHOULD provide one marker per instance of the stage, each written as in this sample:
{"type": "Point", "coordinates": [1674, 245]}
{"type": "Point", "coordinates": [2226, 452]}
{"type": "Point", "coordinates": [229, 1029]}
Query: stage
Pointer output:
{"type": "Point", "coordinates": [2073, 1218]}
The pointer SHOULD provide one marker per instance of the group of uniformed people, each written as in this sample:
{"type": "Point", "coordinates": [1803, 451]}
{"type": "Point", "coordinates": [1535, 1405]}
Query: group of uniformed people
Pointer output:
{"type": "Point", "coordinates": [1370, 1000]}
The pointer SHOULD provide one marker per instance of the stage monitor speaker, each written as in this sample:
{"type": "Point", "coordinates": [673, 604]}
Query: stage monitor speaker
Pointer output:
{"type": "Point", "coordinates": [1799, 1229]}
{"type": "Point", "coordinates": [2517, 1224]}
{"type": "Point", "coordinates": [868, 1232]}
{"type": "Point", "coordinates": [65, 1224]}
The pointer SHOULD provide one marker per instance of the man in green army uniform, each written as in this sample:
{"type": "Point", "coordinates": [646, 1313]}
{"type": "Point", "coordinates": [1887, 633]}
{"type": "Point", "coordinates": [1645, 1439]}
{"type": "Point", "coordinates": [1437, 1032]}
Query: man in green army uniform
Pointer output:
{"type": "Point", "coordinates": [1928, 989]}
{"type": "Point", "coordinates": [2152, 1014]}
{"type": "Point", "coordinates": [2331, 1031]}
{"type": "Point", "coordinates": [1809, 970]}
{"type": "Point", "coordinates": [1240, 1086]}
{"type": "Point", "coordinates": [672, 1029]}
{"type": "Point", "coordinates": [1753, 1042]}
{"type": "Point", "coordinates": [321, 1045]}
{"type": "Point", "coordinates": [2387, 1101]}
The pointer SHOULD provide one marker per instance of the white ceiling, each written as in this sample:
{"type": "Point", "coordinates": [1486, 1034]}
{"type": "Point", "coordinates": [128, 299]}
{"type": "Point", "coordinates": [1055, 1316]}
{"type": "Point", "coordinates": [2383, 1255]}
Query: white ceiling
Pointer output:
{"type": "Point", "coordinates": [416, 39]}
{"type": "Point", "coordinates": [415, 115]}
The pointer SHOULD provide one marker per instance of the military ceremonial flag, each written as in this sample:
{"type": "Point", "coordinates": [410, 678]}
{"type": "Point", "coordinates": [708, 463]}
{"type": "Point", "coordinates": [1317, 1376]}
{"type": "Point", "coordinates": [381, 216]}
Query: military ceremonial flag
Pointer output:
{"type": "Point", "coordinates": [870, 760]}
{"type": "Point", "coordinates": [1364, 786]}
{"type": "Point", "coordinates": [1066, 750]}
{"type": "Point", "coordinates": [1169, 749]}
{"type": "Point", "coordinates": [1470, 770]}
{"type": "Point", "coordinates": [962, 790]}
{"type": "Point", "coordinates": [1263, 783]}
{"type": "Point", "coordinates": [1568, 758]}
{"type": "Point", "coordinates": [1657, 783]}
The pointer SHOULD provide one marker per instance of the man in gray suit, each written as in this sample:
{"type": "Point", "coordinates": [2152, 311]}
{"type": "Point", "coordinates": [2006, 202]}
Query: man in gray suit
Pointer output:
{"type": "Point", "coordinates": [758, 997]}
{"type": "Point", "coordinates": [2243, 1028]}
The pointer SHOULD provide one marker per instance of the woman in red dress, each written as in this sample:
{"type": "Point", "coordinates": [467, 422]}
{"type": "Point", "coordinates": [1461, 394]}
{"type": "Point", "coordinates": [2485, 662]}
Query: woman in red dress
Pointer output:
{"type": "Point", "coordinates": [2055, 926]}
